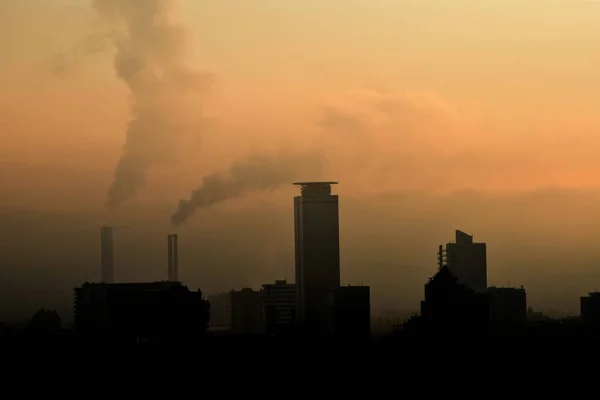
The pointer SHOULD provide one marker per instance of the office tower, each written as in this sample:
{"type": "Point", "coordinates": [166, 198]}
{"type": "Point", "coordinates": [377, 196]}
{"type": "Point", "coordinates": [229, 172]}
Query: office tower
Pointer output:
{"type": "Point", "coordinates": [466, 260]}
{"type": "Point", "coordinates": [106, 254]}
{"type": "Point", "coordinates": [279, 307]}
{"type": "Point", "coordinates": [173, 258]}
{"type": "Point", "coordinates": [316, 225]}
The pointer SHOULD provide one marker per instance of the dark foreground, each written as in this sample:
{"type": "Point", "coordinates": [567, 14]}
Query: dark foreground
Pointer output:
{"type": "Point", "coordinates": [67, 344]}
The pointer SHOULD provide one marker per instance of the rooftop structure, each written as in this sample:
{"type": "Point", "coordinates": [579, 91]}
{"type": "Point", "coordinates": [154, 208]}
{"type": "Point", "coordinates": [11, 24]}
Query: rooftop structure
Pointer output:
{"type": "Point", "coordinates": [310, 189]}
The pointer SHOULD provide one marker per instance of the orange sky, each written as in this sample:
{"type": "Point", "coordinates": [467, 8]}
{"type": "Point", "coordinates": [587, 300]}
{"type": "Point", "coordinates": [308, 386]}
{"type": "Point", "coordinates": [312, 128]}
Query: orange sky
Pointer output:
{"type": "Point", "coordinates": [413, 96]}
{"type": "Point", "coordinates": [495, 95]}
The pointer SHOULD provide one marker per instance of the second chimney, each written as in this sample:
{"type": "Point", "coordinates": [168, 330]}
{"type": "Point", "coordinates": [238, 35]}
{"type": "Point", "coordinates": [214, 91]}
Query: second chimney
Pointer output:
{"type": "Point", "coordinates": [170, 258]}
{"type": "Point", "coordinates": [173, 258]}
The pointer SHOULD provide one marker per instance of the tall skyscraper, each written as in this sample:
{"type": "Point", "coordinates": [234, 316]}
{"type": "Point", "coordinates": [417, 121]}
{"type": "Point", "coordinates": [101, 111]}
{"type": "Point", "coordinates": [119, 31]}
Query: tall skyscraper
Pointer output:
{"type": "Point", "coordinates": [316, 224]}
{"type": "Point", "coordinates": [466, 260]}
{"type": "Point", "coordinates": [106, 254]}
{"type": "Point", "coordinates": [173, 257]}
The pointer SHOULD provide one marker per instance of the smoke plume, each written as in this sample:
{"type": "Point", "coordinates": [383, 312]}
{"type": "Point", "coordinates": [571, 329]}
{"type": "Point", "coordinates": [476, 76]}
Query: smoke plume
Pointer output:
{"type": "Point", "coordinates": [258, 172]}
{"type": "Point", "coordinates": [150, 54]}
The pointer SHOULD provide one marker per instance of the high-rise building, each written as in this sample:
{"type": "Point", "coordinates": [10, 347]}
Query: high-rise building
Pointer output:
{"type": "Point", "coordinates": [106, 255]}
{"type": "Point", "coordinates": [466, 260]}
{"type": "Point", "coordinates": [316, 223]}
{"type": "Point", "coordinates": [279, 307]}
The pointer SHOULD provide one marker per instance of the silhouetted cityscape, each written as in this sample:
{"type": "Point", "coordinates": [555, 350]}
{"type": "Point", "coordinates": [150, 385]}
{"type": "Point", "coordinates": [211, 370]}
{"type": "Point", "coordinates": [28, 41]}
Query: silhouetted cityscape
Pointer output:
{"type": "Point", "coordinates": [457, 301]}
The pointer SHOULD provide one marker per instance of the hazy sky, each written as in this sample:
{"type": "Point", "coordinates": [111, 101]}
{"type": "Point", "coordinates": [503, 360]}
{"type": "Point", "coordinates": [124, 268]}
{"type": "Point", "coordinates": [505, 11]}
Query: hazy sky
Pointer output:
{"type": "Point", "coordinates": [411, 96]}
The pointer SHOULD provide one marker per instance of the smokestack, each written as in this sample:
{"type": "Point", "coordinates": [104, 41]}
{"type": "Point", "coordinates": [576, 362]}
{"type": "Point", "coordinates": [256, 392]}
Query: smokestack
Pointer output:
{"type": "Point", "coordinates": [170, 258]}
{"type": "Point", "coordinates": [106, 254]}
{"type": "Point", "coordinates": [173, 256]}
{"type": "Point", "coordinates": [175, 259]}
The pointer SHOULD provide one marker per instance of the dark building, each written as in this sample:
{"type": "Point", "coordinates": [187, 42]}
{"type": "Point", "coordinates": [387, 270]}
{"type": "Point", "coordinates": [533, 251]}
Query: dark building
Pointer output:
{"type": "Point", "coordinates": [317, 244]}
{"type": "Point", "coordinates": [45, 321]}
{"type": "Point", "coordinates": [508, 307]}
{"type": "Point", "coordinates": [466, 260]}
{"type": "Point", "coordinates": [173, 257]}
{"type": "Point", "coordinates": [279, 307]}
{"type": "Point", "coordinates": [247, 311]}
{"type": "Point", "coordinates": [352, 312]}
{"type": "Point", "coordinates": [452, 307]}
{"type": "Point", "coordinates": [141, 310]}
{"type": "Point", "coordinates": [590, 309]}
{"type": "Point", "coordinates": [220, 310]}
{"type": "Point", "coordinates": [106, 255]}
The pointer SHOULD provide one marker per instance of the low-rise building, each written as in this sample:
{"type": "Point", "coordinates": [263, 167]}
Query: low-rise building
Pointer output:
{"type": "Point", "coordinates": [279, 307]}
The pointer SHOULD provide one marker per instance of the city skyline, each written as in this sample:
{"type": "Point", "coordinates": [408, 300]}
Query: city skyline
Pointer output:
{"type": "Point", "coordinates": [479, 116]}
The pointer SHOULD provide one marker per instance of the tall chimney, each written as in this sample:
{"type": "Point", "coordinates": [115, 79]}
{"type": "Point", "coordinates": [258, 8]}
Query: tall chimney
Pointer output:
{"type": "Point", "coordinates": [175, 259]}
{"type": "Point", "coordinates": [106, 254]}
{"type": "Point", "coordinates": [170, 257]}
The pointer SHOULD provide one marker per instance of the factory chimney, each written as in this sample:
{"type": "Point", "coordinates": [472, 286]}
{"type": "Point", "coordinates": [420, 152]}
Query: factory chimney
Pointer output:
{"type": "Point", "coordinates": [173, 258]}
{"type": "Point", "coordinates": [106, 254]}
{"type": "Point", "coordinates": [170, 258]}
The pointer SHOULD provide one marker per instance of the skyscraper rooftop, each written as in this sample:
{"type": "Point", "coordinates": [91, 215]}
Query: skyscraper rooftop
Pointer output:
{"type": "Point", "coordinates": [315, 188]}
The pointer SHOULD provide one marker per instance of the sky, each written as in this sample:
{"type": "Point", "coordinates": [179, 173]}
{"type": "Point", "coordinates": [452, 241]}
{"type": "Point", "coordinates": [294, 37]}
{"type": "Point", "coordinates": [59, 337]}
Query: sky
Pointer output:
{"type": "Point", "coordinates": [491, 107]}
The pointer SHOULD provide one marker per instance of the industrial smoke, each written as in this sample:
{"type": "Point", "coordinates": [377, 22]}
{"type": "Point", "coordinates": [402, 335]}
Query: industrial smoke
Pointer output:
{"type": "Point", "coordinates": [150, 55]}
{"type": "Point", "coordinates": [258, 172]}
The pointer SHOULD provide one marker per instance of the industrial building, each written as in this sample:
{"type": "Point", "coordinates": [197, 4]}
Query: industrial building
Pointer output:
{"type": "Point", "coordinates": [466, 260]}
{"type": "Point", "coordinates": [279, 307]}
{"type": "Point", "coordinates": [317, 245]}
{"type": "Point", "coordinates": [140, 310]}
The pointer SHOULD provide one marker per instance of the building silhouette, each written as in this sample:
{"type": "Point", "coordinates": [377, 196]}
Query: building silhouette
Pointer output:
{"type": "Point", "coordinates": [106, 255]}
{"type": "Point", "coordinates": [352, 312]}
{"type": "Point", "coordinates": [317, 245]}
{"type": "Point", "coordinates": [508, 307]}
{"type": "Point", "coordinates": [247, 312]}
{"type": "Point", "coordinates": [220, 310]}
{"type": "Point", "coordinates": [279, 307]}
{"type": "Point", "coordinates": [590, 309]}
{"type": "Point", "coordinates": [453, 308]}
{"type": "Point", "coordinates": [466, 260]}
{"type": "Point", "coordinates": [140, 310]}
